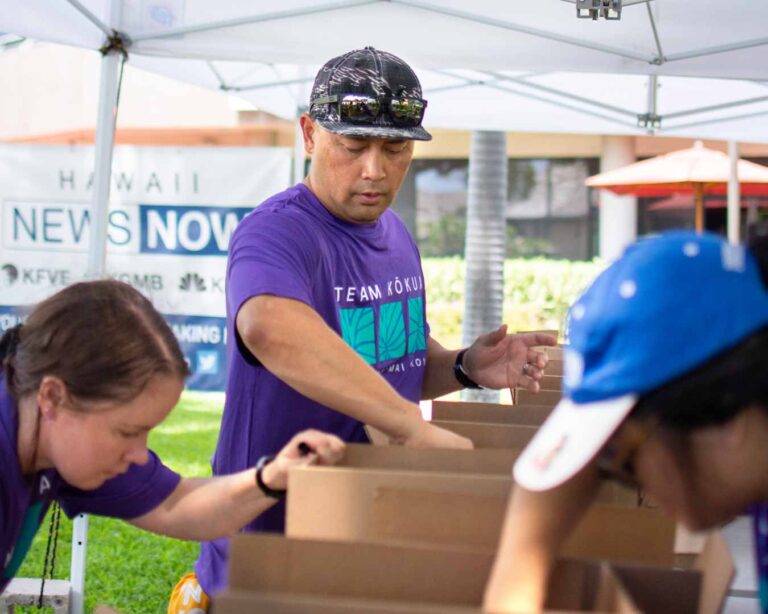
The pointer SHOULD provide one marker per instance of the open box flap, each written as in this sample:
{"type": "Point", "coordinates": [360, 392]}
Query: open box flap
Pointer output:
{"type": "Point", "coordinates": [364, 456]}
{"type": "Point", "coordinates": [489, 413]}
{"type": "Point", "coordinates": [491, 435]}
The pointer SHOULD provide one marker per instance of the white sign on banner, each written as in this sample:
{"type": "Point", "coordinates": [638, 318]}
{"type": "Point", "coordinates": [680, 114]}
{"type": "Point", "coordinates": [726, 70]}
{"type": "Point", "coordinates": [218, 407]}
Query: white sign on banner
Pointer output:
{"type": "Point", "coordinates": [172, 213]}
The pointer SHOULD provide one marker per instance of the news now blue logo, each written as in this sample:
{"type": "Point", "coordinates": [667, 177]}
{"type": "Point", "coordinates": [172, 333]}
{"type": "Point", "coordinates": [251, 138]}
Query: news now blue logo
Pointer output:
{"type": "Point", "coordinates": [189, 230]}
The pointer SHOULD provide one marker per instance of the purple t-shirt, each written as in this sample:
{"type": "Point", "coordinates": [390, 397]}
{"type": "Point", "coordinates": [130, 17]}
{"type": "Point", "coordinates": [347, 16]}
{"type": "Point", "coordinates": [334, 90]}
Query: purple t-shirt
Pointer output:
{"type": "Point", "coordinates": [364, 280]}
{"type": "Point", "coordinates": [23, 503]}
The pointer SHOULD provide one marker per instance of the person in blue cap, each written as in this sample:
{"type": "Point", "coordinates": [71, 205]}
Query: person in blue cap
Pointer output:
{"type": "Point", "coordinates": [665, 387]}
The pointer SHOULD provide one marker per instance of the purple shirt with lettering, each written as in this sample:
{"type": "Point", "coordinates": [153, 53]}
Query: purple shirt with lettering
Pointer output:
{"type": "Point", "coordinates": [24, 500]}
{"type": "Point", "coordinates": [364, 280]}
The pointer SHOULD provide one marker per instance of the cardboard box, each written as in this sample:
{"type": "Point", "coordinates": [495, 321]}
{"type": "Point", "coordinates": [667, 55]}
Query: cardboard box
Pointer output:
{"type": "Point", "coordinates": [281, 575]}
{"type": "Point", "coordinates": [587, 586]}
{"type": "Point", "coordinates": [611, 533]}
{"type": "Point", "coordinates": [248, 602]}
{"type": "Point", "coordinates": [504, 436]}
{"type": "Point", "coordinates": [551, 332]}
{"type": "Point", "coordinates": [337, 503]}
{"type": "Point", "coordinates": [546, 398]}
{"type": "Point", "coordinates": [553, 352]}
{"type": "Point", "coordinates": [554, 367]}
{"type": "Point", "coordinates": [489, 413]}
{"type": "Point", "coordinates": [288, 576]}
{"type": "Point", "coordinates": [551, 382]}
{"type": "Point", "coordinates": [351, 504]}
{"type": "Point", "coordinates": [400, 458]}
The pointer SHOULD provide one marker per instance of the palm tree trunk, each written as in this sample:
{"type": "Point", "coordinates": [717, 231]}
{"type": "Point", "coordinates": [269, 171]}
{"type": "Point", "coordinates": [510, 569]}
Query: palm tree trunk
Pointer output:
{"type": "Point", "coordinates": [485, 242]}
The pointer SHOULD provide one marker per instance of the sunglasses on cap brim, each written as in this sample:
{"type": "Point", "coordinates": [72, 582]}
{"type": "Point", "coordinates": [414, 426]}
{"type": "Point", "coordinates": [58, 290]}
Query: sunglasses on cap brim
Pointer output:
{"type": "Point", "coordinates": [361, 109]}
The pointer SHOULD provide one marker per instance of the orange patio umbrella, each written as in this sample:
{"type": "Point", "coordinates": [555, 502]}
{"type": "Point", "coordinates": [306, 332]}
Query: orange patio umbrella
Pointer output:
{"type": "Point", "coordinates": [696, 170]}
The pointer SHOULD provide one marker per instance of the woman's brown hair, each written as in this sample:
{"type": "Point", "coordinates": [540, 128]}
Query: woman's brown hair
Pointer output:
{"type": "Point", "coordinates": [102, 338]}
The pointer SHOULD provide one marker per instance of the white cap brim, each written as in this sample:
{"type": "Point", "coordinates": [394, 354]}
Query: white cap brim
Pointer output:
{"type": "Point", "coordinates": [572, 435]}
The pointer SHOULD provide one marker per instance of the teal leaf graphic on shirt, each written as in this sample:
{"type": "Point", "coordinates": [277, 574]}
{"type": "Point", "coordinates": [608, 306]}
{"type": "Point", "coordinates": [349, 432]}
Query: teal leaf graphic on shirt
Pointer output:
{"type": "Point", "coordinates": [357, 329]}
{"type": "Point", "coordinates": [417, 336]}
{"type": "Point", "coordinates": [391, 331]}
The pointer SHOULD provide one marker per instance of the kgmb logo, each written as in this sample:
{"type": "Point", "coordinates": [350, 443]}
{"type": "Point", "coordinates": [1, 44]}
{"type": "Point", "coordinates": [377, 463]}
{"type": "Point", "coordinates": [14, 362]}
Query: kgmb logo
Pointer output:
{"type": "Point", "coordinates": [192, 230]}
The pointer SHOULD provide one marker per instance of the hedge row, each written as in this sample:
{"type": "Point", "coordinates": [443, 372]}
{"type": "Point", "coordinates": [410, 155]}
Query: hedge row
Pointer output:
{"type": "Point", "coordinates": [537, 293]}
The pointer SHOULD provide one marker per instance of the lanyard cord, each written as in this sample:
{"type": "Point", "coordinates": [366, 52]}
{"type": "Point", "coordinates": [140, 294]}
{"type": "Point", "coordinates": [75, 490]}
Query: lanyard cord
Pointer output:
{"type": "Point", "coordinates": [49, 563]}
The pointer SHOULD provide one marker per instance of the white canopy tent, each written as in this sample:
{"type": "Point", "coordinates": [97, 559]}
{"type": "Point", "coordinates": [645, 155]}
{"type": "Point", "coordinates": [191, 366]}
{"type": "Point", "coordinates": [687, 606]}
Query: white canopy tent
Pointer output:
{"type": "Point", "coordinates": [520, 101]}
{"type": "Point", "coordinates": [664, 37]}
{"type": "Point", "coordinates": [495, 65]}
{"type": "Point", "coordinates": [529, 66]}
{"type": "Point", "coordinates": [681, 67]}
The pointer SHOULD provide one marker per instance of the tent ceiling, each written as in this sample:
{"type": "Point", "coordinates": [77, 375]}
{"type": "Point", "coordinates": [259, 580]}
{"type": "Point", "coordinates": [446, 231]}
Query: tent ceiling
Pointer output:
{"type": "Point", "coordinates": [489, 64]}
{"type": "Point", "coordinates": [673, 37]}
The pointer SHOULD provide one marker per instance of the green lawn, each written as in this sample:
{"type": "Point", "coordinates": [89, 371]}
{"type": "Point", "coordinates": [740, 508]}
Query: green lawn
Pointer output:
{"type": "Point", "coordinates": [129, 569]}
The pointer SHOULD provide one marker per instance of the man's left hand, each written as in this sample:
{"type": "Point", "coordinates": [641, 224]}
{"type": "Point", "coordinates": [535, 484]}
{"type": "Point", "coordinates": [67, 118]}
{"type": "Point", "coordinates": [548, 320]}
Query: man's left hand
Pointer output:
{"type": "Point", "coordinates": [497, 360]}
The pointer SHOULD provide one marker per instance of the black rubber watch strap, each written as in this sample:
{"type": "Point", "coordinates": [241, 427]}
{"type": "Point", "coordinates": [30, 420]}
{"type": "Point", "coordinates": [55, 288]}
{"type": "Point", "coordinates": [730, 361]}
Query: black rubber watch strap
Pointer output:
{"type": "Point", "coordinates": [461, 374]}
{"type": "Point", "coordinates": [269, 492]}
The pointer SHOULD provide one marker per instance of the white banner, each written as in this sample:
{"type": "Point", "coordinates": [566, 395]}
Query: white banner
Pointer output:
{"type": "Point", "coordinates": [172, 213]}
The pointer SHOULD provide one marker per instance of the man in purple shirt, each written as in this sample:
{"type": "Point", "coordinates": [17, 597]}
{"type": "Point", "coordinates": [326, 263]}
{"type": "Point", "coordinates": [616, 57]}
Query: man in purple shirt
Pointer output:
{"type": "Point", "coordinates": [325, 294]}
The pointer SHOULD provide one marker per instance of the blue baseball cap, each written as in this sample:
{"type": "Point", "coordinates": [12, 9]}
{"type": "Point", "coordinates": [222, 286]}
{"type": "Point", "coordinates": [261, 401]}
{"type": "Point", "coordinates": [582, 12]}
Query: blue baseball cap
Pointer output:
{"type": "Point", "coordinates": [669, 304]}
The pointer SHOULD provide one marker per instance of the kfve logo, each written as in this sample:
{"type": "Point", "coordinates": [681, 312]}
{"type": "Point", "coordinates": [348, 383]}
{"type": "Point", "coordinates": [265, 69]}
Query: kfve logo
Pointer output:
{"type": "Point", "coordinates": [9, 276]}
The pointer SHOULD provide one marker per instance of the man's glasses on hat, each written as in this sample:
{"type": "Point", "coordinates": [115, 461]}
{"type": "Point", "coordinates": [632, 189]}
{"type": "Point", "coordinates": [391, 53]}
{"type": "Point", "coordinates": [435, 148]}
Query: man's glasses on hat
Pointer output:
{"type": "Point", "coordinates": [362, 109]}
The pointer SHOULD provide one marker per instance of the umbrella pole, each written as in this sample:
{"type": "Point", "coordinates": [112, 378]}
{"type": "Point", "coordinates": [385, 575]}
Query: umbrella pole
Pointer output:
{"type": "Point", "coordinates": [734, 205]}
{"type": "Point", "coordinates": [698, 191]}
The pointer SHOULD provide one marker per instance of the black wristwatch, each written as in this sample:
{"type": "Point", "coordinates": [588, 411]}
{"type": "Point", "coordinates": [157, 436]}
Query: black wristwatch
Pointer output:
{"type": "Point", "coordinates": [461, 374]}
{"type": "Point", "coordinates": [269, 492]}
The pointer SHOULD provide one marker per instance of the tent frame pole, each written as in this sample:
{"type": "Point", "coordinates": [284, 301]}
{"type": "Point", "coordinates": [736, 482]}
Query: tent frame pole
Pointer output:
{"type": "Point", "coordinates": [90, 17]}
{"type": "Point", "coordinates": [567, 95]}
{"type": "Point", "coordinates": [718, 120]}
{"type": "Point", "coordinates": [106, 119]}
{"type": "Point", "coordinates": [698, 53]}
{"type": "Point", "coordinates": [515, 27]}
{"type": "Point", "coordinates": [559, 104]}
{"type": "Point", "coordinates": [242, 21]}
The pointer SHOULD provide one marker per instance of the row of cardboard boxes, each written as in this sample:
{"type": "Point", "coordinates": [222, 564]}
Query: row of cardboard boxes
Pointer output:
{"type": "Point", "coordinates": [403, 530]}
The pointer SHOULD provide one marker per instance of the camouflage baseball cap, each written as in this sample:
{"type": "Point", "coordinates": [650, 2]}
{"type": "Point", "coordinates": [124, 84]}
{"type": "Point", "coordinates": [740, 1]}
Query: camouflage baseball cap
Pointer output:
{"type": "Point", "coordinates": [370, 94]}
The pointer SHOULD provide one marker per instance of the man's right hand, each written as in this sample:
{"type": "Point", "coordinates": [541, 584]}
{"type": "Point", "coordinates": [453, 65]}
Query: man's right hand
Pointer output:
{"type": "Point", "coordinates": [426, 435]}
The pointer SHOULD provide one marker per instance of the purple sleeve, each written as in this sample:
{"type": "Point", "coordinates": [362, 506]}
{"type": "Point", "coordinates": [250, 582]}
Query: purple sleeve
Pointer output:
{"type": "Point", "coordinates": [130, 495]}
{"type": "Point", "coordinates": [270, 253]}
